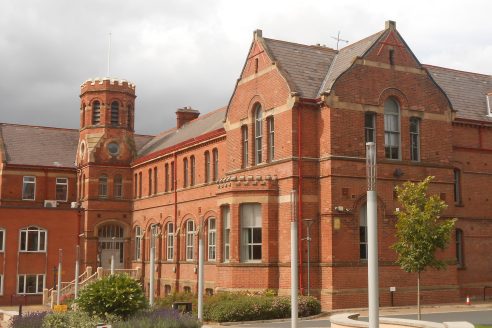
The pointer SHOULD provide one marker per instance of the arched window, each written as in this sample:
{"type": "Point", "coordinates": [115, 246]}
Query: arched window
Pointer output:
{"type": "Point", "coordinates": [118, 186]}
{"type": "Point", "coordinates": [150, 182]}
{"type": "Point", "coordinates": [103, 186]}
{"type": "Point", "coordinates": [155, 180]}
{"type": "Point", "coordinates": [192, 170]}
{"type": "Point", "coordinates": [244, 133]}
{"type": "Point", "coordinates": [32, 239]}
{"type": "Point", "coordinates": [207, 166]}
{"type": "Point", "coordinates": [459, 249]}
{"type": "Point", "coordinates": [135, 185]}
{"type": "Point", "coordinates": [139, 184]}
{"type": "Point", "coordinates": [96, 112]}
{"type": "Point", "coordinates": [271, 139]}
{"type": "Point", "coordinates": [212, 232]}
{"type": "Point", "coordinates": [115, 113]}
{"type": "Point", "coordinates": [185, 172]}
{"type": "Point", "coordinates": [363, 233]}
{"type": "Point", "coordinates": [190, 240]}
{"type": "Point", "coordinates": [391, 129]}
{"type": "Point", "coordinates": [138, 243]}
{"type": "Point", "coordinates": [170, 241]}
{"type": "Point", "coordinates": [258, 133]}
{"type": "Point", "coordinates": [215, 155]}
{"type": "Point", "coordinates": [166, 177]}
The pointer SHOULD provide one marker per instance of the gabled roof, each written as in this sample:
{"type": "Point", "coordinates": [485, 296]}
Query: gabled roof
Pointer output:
{"type": "Point", "coordinates": [204, 124]}
{"type": "Point", "coordinates": [345, 58]}
{"type": "Point", "coordinates": [306, 66]}
{"type": "Point", "coordinates": [38, 145]}
{"type": "Point", "coordinates": [466, 91]}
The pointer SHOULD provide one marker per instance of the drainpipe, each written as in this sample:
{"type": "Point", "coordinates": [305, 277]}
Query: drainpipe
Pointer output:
{"type": "Point", "coordinates": [177, 243]}
{"type": "Point", "coordinates": [299, 186]}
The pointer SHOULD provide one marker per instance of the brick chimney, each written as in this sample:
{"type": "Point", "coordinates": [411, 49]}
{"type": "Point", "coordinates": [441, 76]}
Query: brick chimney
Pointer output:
{"type": "Point", "coordinates": [184, 115]}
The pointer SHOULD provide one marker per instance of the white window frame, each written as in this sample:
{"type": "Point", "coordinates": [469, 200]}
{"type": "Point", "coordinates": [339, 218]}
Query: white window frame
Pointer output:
{"type": "Point", "coordinates": [25, 231]}
{"type": "Point", "coordinates": [251, 224]}
{"type": "Point", "coordinates": [414, 139]}
{"type": "Point", "coordinates": [271, 139]}
{"type": "Point", "coordinates": [258, 134]}
{"type": "Point", "coordinates": [226, 223]}
{"type": "Point", "coordinates": [393, 133]}
{"type": "Point", "coordinates": [63, 182]}
{"type": "Point", "coordinates": [190, 240]}
{"type": "Point", "coordinates": [26, 181]}
{"type": "Point", "coordinates": [39, 289]}
{"type": "Point", "coordinates": [170, 241]}
{"type": "Point", "coordinates": [138, 243]}
{"type": "Point", "coordinates": [212, 239]}
{"type": "Point", "coordinates": [2, 243]}
{"type": "Point", "coordinates": [103, 186]}
{"type": "Point", "coordinates": [244, 132]}
{"type": "Point", "coordinates": [370, 129]}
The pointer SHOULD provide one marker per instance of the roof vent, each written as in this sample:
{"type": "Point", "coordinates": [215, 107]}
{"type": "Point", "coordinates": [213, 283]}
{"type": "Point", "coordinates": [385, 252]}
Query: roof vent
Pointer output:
{"type": "Point", "coordinates": [489, 104]}
{"type": "Point", "coordinates": [390, 24]}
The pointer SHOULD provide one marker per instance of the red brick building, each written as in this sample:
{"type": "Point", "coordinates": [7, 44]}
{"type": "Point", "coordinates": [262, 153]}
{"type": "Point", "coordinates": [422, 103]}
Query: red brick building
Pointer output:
{"type": "Point", "coordinates": [298, 119]}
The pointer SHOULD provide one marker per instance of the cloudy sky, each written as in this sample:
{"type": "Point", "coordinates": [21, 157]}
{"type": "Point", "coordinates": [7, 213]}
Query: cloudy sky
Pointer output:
{"type": "Point", "coordinates": [190, 53]}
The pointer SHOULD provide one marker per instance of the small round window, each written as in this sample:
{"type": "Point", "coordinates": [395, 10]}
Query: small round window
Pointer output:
{"type": "Point", "coordinates": [113, 148]}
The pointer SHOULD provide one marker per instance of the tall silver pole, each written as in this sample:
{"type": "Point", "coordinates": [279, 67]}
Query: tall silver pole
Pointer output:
{"type": "Point", "coordinates": [201, 276]}
{"type": "Point", "coordinates": [112, 255]}
{"type": "Point", "coordinates": [58, 289]}
{"type": "Point", "coordinates": [294, 274]}
{"type": "Point", "coordinates": [77, 269]}
{"type": "Point", "coordinates": [372, 236]}
{"type": "Point", "coordinates": [152, 269]}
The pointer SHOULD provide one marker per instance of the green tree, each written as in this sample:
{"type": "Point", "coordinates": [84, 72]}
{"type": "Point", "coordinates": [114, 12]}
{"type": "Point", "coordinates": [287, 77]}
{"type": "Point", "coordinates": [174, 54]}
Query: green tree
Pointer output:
{"type": "Point", "coordinates": [419, 229]}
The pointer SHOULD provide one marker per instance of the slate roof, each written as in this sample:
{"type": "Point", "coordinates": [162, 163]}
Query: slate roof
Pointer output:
{"type": "Point", "coordinates": [203, 124]}
{"type": "Point", "coordinates": [37, 145]}
{"type": "Point", "coordinates": [43, 146]}
{"type": "Point", "coordinates": [306, 66]}
{"type": "Point", "coordinates": [466, 91]}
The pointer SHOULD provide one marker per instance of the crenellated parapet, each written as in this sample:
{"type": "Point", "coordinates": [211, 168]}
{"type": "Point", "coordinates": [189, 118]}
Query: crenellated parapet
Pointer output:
{"type": "Point", "coordinates": [107, 84]}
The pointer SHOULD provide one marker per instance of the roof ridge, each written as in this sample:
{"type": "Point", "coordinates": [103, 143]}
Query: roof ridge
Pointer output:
{"type": "Point", "coordinates": [456, 70]}
{"type": "Point", "coordinates": [38, 126]}
{"type": "Point", "coordinates": [302, 44]}
{"type": "Point", "coordinates": [361, 40]}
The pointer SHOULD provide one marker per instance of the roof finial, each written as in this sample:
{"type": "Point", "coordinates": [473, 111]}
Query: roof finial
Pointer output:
{"type": "Point", "coordinates": [390, 24]}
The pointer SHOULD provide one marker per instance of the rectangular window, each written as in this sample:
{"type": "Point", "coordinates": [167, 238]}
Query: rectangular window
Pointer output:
{"type": "Point", "coordinates": [370, 126]}
{"type": "Point", "coordinates": [30, 283]}
{"type": "Point", "coordinates": [32, 239]}
{"type": "Point", "coordinates": [207, 166]}
{"type": "Point", "coordinates": [173, 177]}
{"type": "Point", "coordinates": [62, 189]}
{"type": "Point", "coordinates": [140, 185]}
{"type": "Point", "coordinates": [415, 139]}
{"type": "Point", "coordinates": [244, 131]}
{"type": "Point", "coordinates": [457, 187]}
{"type": "Point", "coordinates": [170, 241]}
{"type": "Point", "coordinates": [211, 239]}
{"type": "Point", "coordinates": [28, 188]}
{"type": "Point", "coordinates": [166, 177]}
{"type": "Point", "coordinates": [215, 154]}
{"type": "Point", "coordinates": [363, 233]}
{"type": "Point", "coordinates": [391, 129]}
{"type": "Point", "coordinates": [185, 172]}
{"type": "Point", "coordinates": [138, 243]}
{"type": "Point", "coordinates": [251, 239]}
{"type": "Point", "coordinates": [190, 240]}
{"type": "Point", "coordinates": [2, 240]}
{"type": "Point", "coordinates": [118, 186]}
{"type": "Point", "coordinates": [150, 182]}
{"type": "Point", "coordinates": [271, 139]}
{"type": "Point", "coordinates": [226, 222]}
{"type": "Point", "coordinates": [155, 180]}
{"type": "Point", "coordinates": [192, 170]}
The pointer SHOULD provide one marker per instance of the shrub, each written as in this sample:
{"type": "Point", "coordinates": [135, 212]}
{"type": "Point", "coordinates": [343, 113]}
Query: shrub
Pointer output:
{"type": "Point", "coordinates": [163, 318]}
{"type": "Point", "coordinates": [118, 295]}
{"type": "Point", "coordinates": [77, 319]}
{"type": "Point", "coordinates": [28, 320]}
{"type": "Point", "coordinates": [243, 307]}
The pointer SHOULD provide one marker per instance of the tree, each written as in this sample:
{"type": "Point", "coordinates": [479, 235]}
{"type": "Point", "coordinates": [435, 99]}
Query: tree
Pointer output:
{"type": "Point", "coordinates": [419, 230]}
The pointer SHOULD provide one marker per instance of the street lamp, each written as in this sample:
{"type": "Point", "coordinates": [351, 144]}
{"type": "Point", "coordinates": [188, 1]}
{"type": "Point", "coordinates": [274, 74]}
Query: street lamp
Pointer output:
{"type": "Point", "coordinates": [372, 236]}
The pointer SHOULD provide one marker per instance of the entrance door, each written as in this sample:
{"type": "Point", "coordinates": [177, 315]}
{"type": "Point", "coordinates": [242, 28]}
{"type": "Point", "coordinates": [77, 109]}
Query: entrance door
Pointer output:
{"type": "Point", "coordinates": [111, 244]}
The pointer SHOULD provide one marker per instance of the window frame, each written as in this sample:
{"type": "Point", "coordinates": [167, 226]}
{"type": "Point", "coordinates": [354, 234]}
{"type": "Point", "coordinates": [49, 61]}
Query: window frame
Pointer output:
{"type": "Point", "coordinates": [185, 172]}
{"type": "Point", "coordinates": [190, 241]}
{"type": "Point", "coordinates": [245, 144]}
{"type": "Point", "coordinates": [207, 166]}
{"type": "Point", "coordinates": [96, 112]}
{"type": "Point", "coordinates": [226, 230]}
{"type": "Point", "coordinates": [212, 239]}
{"type": "Point", "coordinates": [2, 239]}
{"type": "Point", "coordinates": [215, 164]}
{"type": "Point", "coordinates": [24, 185]}
{"type": "Point", "coordinates": [115, 113]}
{"type": "Point", "coordinates": [414, 138]}
{"type": "Point", "coordinates": [103, 186]}
{"type": "Point", "coordinates": [248, 233]}
{"type": "Point", "coordinates": [24, 235]}
{"type": "Point", "coordinates": [166, 177]}
{"type": "Point", "coordinates": [137, 256]}
{"type": "Point", "coordinates": [169, 241]}
{"type": "Point", "coordinates": [1, 283]}
{"type": "Point", "coordinates": [65, 184]}
{"type": "Point", "coordinates": [118, 186]}
{"type": "Point", "coordinates": [192, 170]}
{"type": "Point", "coordinates": [392, 118]}
{"type": "Point", "coordinates": [271, 138]}
{"type": "Point", "coordinates": [156, 185]}
{"type": "Point", "coordinates": [370, 129]}
{"type": "Point", "coordinates": [258, 124]}
{"type": "Point", "coordinates": [39, 289]}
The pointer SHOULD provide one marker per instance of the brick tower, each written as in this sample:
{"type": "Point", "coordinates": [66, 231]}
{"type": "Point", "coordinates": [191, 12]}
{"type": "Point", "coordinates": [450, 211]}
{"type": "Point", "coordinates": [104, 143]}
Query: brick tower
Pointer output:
{"type": "Point", "coordinates": [106, 148]}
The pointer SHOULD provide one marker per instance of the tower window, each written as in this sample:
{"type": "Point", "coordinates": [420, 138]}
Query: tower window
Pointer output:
{"type": "Point", "coordinates": [96, 112]}
{"type": "Point", "coordinates": [173, 176]}
{"type": "Point", "coordinates": [392, 57]}
{"type": "Point", "coordinates": [115, 113]}
{"type": "Point", "coordinates": [258, 133]}
{"type": "Point", "coordinates": [391, 129]}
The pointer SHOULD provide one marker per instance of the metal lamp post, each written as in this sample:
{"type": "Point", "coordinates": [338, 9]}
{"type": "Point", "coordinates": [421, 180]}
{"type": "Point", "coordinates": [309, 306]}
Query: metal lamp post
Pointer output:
{"type": "Point", "coordinates": [372, 236]}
